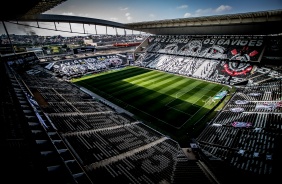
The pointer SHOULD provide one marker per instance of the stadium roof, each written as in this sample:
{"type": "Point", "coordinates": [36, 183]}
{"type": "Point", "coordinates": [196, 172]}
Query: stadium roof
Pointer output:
{"type": "Point", "coordinates": [252, 23]}
{"type": "Point", "coordinates": [23, 8]}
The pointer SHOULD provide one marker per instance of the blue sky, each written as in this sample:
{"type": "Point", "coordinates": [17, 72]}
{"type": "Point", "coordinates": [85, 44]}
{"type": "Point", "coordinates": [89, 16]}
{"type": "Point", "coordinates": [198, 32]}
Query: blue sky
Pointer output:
{"type": "Point", "coordinates": [128, 11]}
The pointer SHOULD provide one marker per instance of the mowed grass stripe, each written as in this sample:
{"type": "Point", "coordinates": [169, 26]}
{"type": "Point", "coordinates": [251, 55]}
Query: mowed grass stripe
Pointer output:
{"type": "Point", "coordinates": [146, 96]}
{"type": "Point", "coordinates": [164, 81]}
{"type": "Point", "coordinates": [156, 109]}
{"type": "Point", "coordinates": [109, 74]}
{"type": "Point", "coordinates": [195, 95]}
{"type": "Point", "coordinates": [155, 92]}
{"type": "Point", "coordinates": [195, 99]}
{"type": "Point", "coordinates": [171, 99]}
{"type": "Point", "coordinates": [156, 77]}
{"type": "Point", "coordinates": [199, 102]}
{"type": "Point", "coordinates": [120, 86]}
{"type": "Point", "coordinates": [134, 89]}
{"type": "Point", "coordinates": [183, 110]}
{"type": "Point", "coordinates": [156, 83]}
{"type": "Point", "coordinates": [197, 92]}
{"type": "Point", "coordinates": [91, 76]}
{"type": "Point", "coordinates": [98, 82]}
{"type": "Point", "coordinates": [161, 83]}
{"type": "Point", "coordinates": [116, 76]}
{"type": "Point", "coordinates": [137, 79]}
{"type": "Point", "coordinates": [156, 102]}
{"type": "Point", "coordinates": [114, 85]}
{"type": "Point", "coordinates": [145, 75]}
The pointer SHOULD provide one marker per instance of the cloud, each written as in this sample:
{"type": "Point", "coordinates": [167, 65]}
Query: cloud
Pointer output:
{"type": "Point", "coordinates": [128, 17]}
{"type": "Point", "coordinates": [209, 11]}
{"type": "Point", "coordinates": [223, 8]}
{"type": "Point", "coordinates": [182, 6]}
{"type": "Point", "coordinates": [201, 12]}
{"type": "Point", "coordinates": [186, 15]}
{"type": "Point", "coordinates": [123, 9]}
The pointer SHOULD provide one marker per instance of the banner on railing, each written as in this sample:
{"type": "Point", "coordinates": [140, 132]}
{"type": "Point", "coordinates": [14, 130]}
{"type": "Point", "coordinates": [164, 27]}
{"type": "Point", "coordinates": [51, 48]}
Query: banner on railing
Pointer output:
{"type": "Point", "coordinates": [240, 124]}
{"type": "Point", "coordinates": [237, 109]}
{"type": "Point", "coordinates": [241, 102]}
{"type": "Point", "coordinates": [268, 106]}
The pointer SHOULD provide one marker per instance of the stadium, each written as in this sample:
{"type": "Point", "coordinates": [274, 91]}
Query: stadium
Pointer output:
{"type": "Point", "coordinates": [198, 100]}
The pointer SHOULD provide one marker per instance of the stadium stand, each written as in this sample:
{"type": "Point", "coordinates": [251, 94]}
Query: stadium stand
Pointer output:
{"type": "Point", "coordinates": [244, 133]}
{"type": "Point", "coordinates": [87, 140]}
{"type": "Point", "coordinates": [55, 132]}
{"type": "Point", "coordinates": [87, 135]}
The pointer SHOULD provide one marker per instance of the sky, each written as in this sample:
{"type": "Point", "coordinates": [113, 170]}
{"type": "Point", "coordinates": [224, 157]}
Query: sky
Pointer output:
{"type": "Point", "coordinates": [129, 11]}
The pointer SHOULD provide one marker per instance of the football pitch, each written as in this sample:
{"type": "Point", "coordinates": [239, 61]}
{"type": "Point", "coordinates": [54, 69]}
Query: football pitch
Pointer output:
{"type": "Point", "coordinates": [159, 98]}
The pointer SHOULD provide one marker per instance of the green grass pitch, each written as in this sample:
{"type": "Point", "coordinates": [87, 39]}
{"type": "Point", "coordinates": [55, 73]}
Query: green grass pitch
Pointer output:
{"type": "Point", "coordinates": [157, 97]}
